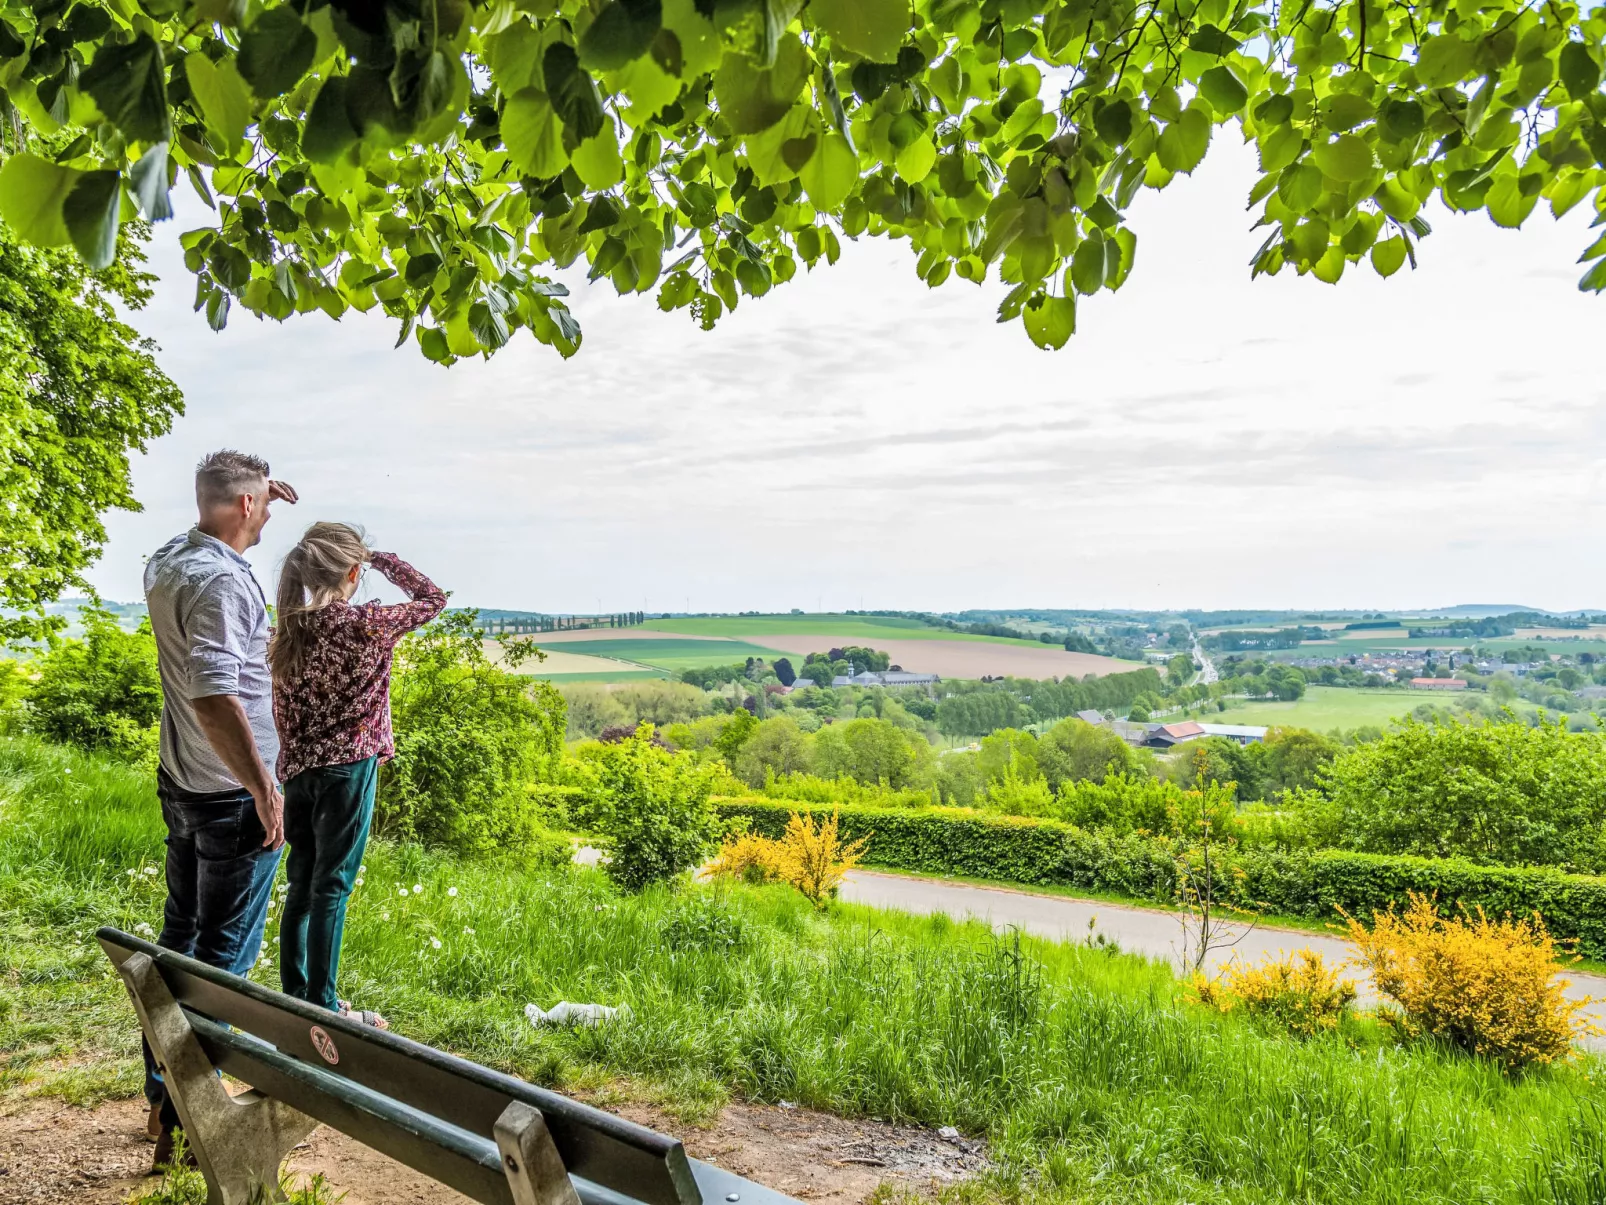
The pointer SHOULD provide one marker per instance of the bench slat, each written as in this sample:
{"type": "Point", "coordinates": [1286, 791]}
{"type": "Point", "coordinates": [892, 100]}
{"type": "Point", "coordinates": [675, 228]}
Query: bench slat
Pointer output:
{"type": "Point", "coordinates": [608, 1151]}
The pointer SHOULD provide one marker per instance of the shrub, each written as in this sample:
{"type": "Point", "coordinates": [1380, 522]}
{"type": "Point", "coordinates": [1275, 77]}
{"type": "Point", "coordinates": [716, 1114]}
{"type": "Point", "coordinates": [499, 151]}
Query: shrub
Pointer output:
{"type": "Point", "coordinates": [1300, 993]}
{"type": "Point", "coordinates": [813, 857]}
{"type": "Point", "coordinates": [1490, 987]}
{"type": "Point", "coordinates": [746, 856]}
{"type": "Point", "coordinates": [470, 737]}
{"type": "Point", "coordinates": [102, 692]}
{"type": "Point", "coordinates": [658, 820]}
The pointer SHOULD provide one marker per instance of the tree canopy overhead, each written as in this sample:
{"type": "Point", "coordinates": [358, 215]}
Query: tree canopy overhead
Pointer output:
{"type": "Point", "coordinates": [436, 158]}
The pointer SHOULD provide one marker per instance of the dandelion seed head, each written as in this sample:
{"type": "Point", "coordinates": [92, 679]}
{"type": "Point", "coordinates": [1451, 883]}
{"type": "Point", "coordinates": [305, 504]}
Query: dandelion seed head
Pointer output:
{"type": "Point", "coordinates": [358, 883]}
{"type": "Point", "coordinates": [434, 943]}
{"type": "Point", "coordinates": [418, 888]}
{"type": "Point", "coordinates": [451, 891]}
{"type": "Point", "coordinates": [402, 893]}
{"type": "Point", "coordinates": [468, 931]}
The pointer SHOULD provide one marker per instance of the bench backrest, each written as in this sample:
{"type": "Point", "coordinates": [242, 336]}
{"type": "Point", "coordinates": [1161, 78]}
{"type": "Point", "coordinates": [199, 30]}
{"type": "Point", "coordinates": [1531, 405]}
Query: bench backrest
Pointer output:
{"type": "Point", "coordinates": [430, 1110]}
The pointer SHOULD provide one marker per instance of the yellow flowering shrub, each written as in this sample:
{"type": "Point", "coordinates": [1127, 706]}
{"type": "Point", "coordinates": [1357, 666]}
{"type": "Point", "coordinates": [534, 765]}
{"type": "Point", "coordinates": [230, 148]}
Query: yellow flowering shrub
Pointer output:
{"type": "Point", "coordinates": [813, 857]}
{"type": "Point", "coordinates": [1300, 993]}
{"type": "Point", "coordinates": [810, 855]}
{"type": "Point", "coordinates": [1491, 987]}
{"type": "Point", "coordinates": [746, 856]}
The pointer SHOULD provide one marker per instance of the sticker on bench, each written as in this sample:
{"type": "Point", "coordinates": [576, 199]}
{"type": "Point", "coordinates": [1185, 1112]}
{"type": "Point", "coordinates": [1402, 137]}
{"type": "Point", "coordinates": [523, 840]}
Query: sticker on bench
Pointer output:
{"type": "Point", "coordinates": [325, 1045]}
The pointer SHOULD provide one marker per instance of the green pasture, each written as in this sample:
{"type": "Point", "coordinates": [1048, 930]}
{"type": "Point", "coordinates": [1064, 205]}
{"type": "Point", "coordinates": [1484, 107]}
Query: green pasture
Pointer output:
{"type": "Point", "coordinates": [1325, 708]}
{"type": "Point", "coordinates": [623, 675]}
{"type": "Point", "coordinates": [838, 628]}
{"type": "Point", "coordinates": [670, 653]}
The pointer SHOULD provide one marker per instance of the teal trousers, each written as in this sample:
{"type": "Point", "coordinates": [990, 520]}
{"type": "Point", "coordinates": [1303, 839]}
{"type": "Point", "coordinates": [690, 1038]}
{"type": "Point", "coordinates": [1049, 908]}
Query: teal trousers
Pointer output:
{"type": "Point", "coordinates": [327, 813]}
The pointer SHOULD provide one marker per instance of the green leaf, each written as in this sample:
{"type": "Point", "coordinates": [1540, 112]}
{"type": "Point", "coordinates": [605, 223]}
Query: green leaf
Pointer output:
{"type": "Point", "coordinates": [328, 133]}
{"type": "Point", "coordinates": [1280, 148]}
{"type": "Point", "coordinates": [1388, 255]}
{"type": "Point", "coordinates": [276, 52]}
{"type": "Point", "coordinates": [1443, 60]}
{"type": "Point", "coordinates": [90, 213]}
{"type": "Point", "coordinates": [1050, 321]}
{"type": "Point", "coordinates": [914, 163]}
{"type": "Point", "coordinates": [1346, 159]}
{"type": "Point", "coordinates": [1223, 90]}
{"type": "Point", "coordinates": [1207, 39]}
{"type": "Point", "coordinates": [1346, 110]}
{"type": "Point", "coordinates": [1579, 71]}
{"type": "Point", "coordinates": [221, 94]}
{"type": "Point", "coordinates": [432, 342]}
{"type": "Point", "coordinates": [596, 160]}
{"type": "Point", "coordinates": [149, 183]}
{"type": "Point", "coordinates": [1275, 110]}
{"type": "Point", "coordinates": [127, 85]}
{"type": "Point", "coordinates": [31, 194]}
{"type": "Point", "coordinates": [1402, 120]}
{"type": "Point", "coordinates": [831, 174]}
{"type": "Point", "coordinates": [872, 29]}
{"type": "Point", "coordinates": [1088, 263]}
{"type": "Point", "coordinates": [1300, 187]}
{"type": "Point", "coordinates": [621, 33]}
{"type": "Point", "coordinates": [1115, 274]}
{"type": "Point", "coordinates": [1506, 202]}
{"type": "Point", "coordinates": [752, 98]}
{"type": "Point", "coordinates": [1184, 142]}
{"type": "Point", "coordinates": [1594, 280]}
{"type": "Point", "coordinates": [571, 91]}
{"type": "Point", "coordinates": [1114, 121]}
{"type": "Point", "coordinates": [533, 135]}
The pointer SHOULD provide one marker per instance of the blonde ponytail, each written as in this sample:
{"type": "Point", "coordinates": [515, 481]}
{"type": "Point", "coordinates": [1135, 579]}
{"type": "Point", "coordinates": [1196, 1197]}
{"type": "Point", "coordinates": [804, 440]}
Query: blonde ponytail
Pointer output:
{"type": "Point", "coordinates": [309, 580]}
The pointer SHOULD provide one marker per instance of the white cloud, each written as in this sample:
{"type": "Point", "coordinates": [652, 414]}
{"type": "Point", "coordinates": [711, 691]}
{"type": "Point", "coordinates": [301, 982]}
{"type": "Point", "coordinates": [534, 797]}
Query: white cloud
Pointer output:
{"type": "Point", "coordinates": [856, 439]}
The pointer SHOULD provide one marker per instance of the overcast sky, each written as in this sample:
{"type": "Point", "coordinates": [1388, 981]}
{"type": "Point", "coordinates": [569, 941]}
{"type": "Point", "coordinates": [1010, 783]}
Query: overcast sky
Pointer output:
{"type": "Point", "coordinates": [857, 440]}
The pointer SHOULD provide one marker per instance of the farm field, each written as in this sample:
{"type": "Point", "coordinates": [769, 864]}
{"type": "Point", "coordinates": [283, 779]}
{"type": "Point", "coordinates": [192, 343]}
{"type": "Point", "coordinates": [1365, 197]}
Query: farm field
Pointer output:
{"type": "Point", "coordinates": [1327, 707]}
{"type": "Point", "coordinates": [563, 665]}
{"type": "Point", "coordinates": [841, 629]}
{"type": "Point", "coordinates": [668, 652]}
{"type": "Point", "coordinates": [970, 658]}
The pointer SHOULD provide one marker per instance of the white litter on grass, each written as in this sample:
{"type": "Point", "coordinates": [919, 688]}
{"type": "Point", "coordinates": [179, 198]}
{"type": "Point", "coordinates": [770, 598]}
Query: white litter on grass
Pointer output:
{"type": "Point", "coordinates": [563, 1013]}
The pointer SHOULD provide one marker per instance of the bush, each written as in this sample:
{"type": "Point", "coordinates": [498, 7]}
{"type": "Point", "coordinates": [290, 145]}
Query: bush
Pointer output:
{"type": "Point", "coordinates": [470, 738]}
{"type": "Point", "coordinates": [102, 692]}
{"type": "Point", "coordinates": [1487, 986]}
{"type": "Point", "coordinates": [1300, 883]}
{"type": "Point", "coordinates": [810, 856]}
{"type": "Point", "coordinates": [658, 821]}
{"type": "Point", "coordinates": [1300, 993]}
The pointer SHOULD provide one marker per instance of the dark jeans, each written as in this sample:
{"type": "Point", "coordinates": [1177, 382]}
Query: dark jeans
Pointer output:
{"type": "Point", "coordinates": [219, 878]}
{"type": "Point", "coordinates": [327, 811]}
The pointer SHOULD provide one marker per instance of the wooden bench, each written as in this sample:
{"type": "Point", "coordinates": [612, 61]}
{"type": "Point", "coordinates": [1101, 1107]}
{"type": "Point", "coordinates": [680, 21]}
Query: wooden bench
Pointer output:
{"type": "Point", "coordinates": [493, 1138]}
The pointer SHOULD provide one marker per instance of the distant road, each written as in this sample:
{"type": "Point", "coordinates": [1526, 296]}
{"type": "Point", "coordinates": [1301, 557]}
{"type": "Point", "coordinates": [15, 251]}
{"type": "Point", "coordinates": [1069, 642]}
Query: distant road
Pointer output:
{"type": "Point", "coordinates": [1207, 668]}
{"type": "Point", "coordinates": [1149, 931]}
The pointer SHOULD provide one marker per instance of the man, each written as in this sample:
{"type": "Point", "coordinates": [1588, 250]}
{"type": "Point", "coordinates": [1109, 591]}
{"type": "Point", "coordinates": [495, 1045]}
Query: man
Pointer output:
{"type": "Point", "coordinates": [220, 801]}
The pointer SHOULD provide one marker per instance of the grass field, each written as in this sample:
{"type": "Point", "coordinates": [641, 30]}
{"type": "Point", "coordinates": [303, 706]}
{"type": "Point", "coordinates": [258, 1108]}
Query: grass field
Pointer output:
{"type": "Point", "coordinates": [671, 654]}
{"type": "Point", "coordinates": [1093, 1078]}
{"type": "Point", "coordinates": [1325, 708]}
{"type": "Point", "coordinates": [840, 629]}
{"type": "Point", "coordinates": [623, 675]}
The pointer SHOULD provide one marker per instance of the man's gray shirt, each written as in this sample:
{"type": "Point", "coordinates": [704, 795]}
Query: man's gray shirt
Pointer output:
{"type": "Point", "coordinates": [211, 625]}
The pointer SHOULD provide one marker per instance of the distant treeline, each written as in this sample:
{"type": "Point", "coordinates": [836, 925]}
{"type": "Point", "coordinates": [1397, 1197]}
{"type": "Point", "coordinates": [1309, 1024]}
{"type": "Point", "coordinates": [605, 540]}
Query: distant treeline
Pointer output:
{"type": "Point", "coordinates": [983, 709]}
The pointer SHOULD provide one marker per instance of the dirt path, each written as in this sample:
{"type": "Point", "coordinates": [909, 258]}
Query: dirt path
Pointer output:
{"type": "Point", "coordinates": [1149, 931]}
{"type": "Point", "coordinates": [55, 1154]}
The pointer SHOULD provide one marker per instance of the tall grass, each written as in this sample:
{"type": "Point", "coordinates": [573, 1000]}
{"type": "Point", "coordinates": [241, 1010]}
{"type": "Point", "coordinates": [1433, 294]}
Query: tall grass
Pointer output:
{"type": "Point", "coordinates": [1091, 1076]}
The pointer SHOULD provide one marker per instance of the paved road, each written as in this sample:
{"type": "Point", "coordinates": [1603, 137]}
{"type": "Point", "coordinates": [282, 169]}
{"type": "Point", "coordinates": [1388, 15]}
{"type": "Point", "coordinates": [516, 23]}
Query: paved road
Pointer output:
{"type": "Point", "coordinates": [1147, 931]}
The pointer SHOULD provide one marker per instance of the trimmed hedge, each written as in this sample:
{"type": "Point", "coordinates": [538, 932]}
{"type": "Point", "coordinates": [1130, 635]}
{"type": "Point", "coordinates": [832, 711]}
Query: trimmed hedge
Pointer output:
{"type": "Point", "coordinates": [1050, 853]}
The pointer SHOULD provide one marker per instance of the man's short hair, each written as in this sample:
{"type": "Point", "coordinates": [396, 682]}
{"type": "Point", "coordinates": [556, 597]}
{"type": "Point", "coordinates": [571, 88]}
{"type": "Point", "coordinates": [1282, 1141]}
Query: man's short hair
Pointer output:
{"type": "Point", "coordinates": [223, 476]}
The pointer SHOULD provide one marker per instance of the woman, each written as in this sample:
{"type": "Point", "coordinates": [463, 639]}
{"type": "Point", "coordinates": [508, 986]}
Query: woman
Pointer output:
{"type": "Point", "coordinates": [331, 702]}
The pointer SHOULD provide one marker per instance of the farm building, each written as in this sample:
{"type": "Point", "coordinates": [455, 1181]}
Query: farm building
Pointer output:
{"type": "Point", "coordinates": [1438, 684]}
{"type": "Point", "coordinates": [1090, 717]}
{"type": "Point", "coordinates": [1244, 734]}
{"type": "Point", "coordinates": [1165, 736]}
{"type": "Point", "coordinates": [891, 677]}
